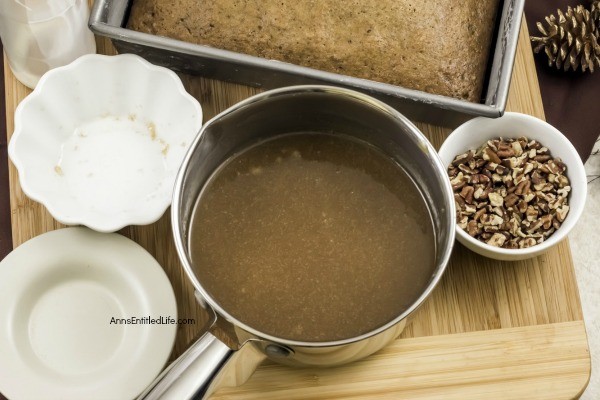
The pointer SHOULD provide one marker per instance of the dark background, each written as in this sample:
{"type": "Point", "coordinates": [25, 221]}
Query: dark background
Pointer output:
{"type": "Point", "coordinates": [570, 98]}
{"type": "Point", "coordinates": [5, 231]}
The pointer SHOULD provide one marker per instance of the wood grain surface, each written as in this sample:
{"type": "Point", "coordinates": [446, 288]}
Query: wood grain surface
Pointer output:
{"type": "Point", "coordinates": [506, 330]}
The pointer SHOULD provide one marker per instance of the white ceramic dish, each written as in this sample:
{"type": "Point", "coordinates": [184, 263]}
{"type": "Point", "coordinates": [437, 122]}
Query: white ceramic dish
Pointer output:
{"type": "Point", "coordinates": [476, 132]}
{"type": "Point", "coordinates": [99, 141]}
{"type": "Point", "coordinates": [59, 293]}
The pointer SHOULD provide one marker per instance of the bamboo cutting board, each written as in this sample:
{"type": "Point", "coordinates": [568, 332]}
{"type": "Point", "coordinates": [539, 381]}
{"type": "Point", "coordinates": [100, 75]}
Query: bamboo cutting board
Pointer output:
{"type": "Point", "coordinates": [490, 330]}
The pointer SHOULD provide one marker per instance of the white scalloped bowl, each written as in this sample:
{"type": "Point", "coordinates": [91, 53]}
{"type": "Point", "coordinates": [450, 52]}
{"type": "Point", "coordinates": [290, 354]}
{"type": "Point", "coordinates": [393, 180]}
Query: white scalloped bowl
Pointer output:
{"type": "Point", "coordinates": [99, 141]}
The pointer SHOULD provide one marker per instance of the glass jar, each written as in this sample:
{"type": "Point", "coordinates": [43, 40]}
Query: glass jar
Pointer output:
{"type": "Point", "coordinates": [39, 35]}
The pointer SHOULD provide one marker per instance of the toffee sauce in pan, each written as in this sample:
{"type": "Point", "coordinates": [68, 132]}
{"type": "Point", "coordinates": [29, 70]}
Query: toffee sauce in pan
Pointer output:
{"type": "Point", "coordinates": [312, 237]}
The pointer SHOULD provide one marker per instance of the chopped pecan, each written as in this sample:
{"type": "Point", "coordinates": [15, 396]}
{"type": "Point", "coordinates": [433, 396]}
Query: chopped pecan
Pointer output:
{"type": "Point", "coordinates": [496, 200]}
{"type": "Point", "coordinates": [541, 157]}
{"type": "Point", "coordinates": [497, 240]}
{"type": "Point", "coordinates": [499, 211]}
{"type": "Point", "coordinates": [561, 181]}
{"type": "Point", "coordinates": [466, 169]}
{"type": "Point", "coordinates": [548, 232]}
{"type": "Point", "coordinates": [543, 206]}
{"type": "Point", "coordinates": [463, 158]}
{"type": "Point", "coordinates": [492, 144]}
{"type": "Point", "coordinates": [491, 219]}
{"type": "Point", "coordinates": [522, 206]}
{"type": "Point", "coordinates": [523, 187]}
{"type": "Point", "coordinates": [561, 213]}
{"type": "Point", "coordinates": [537, 177]}
{"type": "Point", "coordinates": [557, 203]}
{"type": "Point", "coordinates": [560, 165]}
{"type": "Point", "coordinates": [467, 193]}
{"type": "Point", "coordinates": [564, 191]}
{"type": "Point", "coordinates": [546, 221]}
{"type": "Point", "coordinates": [473, 229]}
{"type": "Point", "coordinates": [478, 214]}
{"type": "Point", "coordinates": [478, 193]}
{"type": "Point", "coordinates": [510, 192]}
{"type": "Point", "coordinates": [511, 244]}
{"type": "Point", "coordinates": [469, 209]}
{"type": "Point", "coordinates": [510, 152]}
{"type": "Point", "coordinates": [486, 235]}
{"type": "Point", "coordinates": [489, 154]}
{"type": "Point", "coordinates": [480, 178]}
{"type": "Point", "coordinates": [501, 170]}
{"type": "Point", "coordinates": [527, 242]}
{"type": "Point", "coordinates": [532, 153]}
{"type": "Point", "coordinates": [531, 213]}
{"type": "Point", "coordinates": [528, 197]}
{"type": "Point", "coordinates": [458, 181]}
{"type": "Point", "coordinates": [553, 167]}
{"type": "Point", "coordinates": [511, 199]}
{"type": "Point", "coordinates": [459, 201]}
{"type": "Point", "coordinates": [517, 148]}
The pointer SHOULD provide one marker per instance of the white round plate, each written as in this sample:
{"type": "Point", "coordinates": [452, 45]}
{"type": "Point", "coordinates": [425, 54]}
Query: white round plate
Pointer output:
{"type": "Point", "coordinates": [59, 292]}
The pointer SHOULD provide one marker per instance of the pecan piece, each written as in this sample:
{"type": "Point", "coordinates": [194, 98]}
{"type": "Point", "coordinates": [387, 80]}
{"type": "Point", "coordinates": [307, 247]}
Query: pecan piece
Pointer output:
{"type": "Point", "coordinates": [561, 181]}
{"type": "Point", "coordinates": [489, 154]}
{"type": "Point", "coordinates": [531, 213]}
{"type": "Point", "coordinates": [478, 214]}
{"type": "Point", "coordinates": [533, 144]}
{"type": "Point", "coordinates": [501, 170]}
{"type": "Point", "coordinates": [496, 200]}
{"type": "Point", "coordinates": [473, 229]}
{"type": "Point", "coordinates": [511, 199]}
{"type": "Point", "coordinates": [561, 213]}
{"type": "Point", "coordinates": [527, 242]}
{"type": "Point", "coordinates": [497, 240]}
{"type": "Point", "coordinates": [508, 153]}
{"type": "Point", "coordinates": [467, 193]}
{"type": "Point", "coordinates": [463, 158]}
{"type": "Point", "coordinates": [537, 177]}
{"type": "Point", "coordinates": [517, 148]}
{"type": "Point", "coordinates": [523, 187]}
{"type": "Point", "coordinates": [546, 221]}
{"type": "Point", "coordinates": [541, 157]}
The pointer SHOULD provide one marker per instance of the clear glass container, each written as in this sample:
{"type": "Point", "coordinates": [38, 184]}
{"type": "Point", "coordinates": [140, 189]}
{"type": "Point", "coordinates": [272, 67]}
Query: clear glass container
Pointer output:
{"type": "Point", "coordinates": [39, 35]}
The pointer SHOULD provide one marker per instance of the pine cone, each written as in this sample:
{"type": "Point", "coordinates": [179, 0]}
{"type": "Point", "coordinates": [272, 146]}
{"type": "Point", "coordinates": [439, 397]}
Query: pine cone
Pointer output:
{"type": "Point", "coordinates": [571, 40]}
{"type": "Point", "coordinates": [595, 11]}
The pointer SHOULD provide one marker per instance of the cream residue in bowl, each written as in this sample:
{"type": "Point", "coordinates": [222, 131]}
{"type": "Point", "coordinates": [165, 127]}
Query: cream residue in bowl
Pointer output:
{"type": "Point", "coordinates": [113, 163]}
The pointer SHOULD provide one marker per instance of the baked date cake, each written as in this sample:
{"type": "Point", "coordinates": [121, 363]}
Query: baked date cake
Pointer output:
{"type": "Point", "coordinates": [439, 46]}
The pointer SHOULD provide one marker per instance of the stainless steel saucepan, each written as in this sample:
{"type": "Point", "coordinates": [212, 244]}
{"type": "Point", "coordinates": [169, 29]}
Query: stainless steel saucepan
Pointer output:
{"type": "Point", "coordinates": [296, 109]}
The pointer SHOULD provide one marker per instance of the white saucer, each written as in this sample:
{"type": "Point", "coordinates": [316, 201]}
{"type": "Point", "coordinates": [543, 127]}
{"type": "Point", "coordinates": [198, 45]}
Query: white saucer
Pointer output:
{"type": "Point", "coordinates": [58, 293]}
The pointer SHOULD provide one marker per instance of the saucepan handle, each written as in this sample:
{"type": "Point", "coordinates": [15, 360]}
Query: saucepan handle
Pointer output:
{"type": "Point", "coordinates": [193, 374]}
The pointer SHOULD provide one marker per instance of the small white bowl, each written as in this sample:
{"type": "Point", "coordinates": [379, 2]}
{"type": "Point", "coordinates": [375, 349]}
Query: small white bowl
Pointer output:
{"type": "Point", "coordinates": [99, 141]}
{"type": "Point", "coordinates": [474, 133]}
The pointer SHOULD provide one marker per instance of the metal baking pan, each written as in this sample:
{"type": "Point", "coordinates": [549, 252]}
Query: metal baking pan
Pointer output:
{"type": "Point", "coordinates": [109, 18]}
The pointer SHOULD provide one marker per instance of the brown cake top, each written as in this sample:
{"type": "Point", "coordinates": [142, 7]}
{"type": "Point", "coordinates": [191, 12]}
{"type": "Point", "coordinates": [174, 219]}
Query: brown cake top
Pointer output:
{"type": "Point", "coordinates": [438, 47]}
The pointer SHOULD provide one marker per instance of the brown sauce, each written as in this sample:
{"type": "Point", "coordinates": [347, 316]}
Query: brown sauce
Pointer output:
{"type": "Point", "coordinates": [312, 237]}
